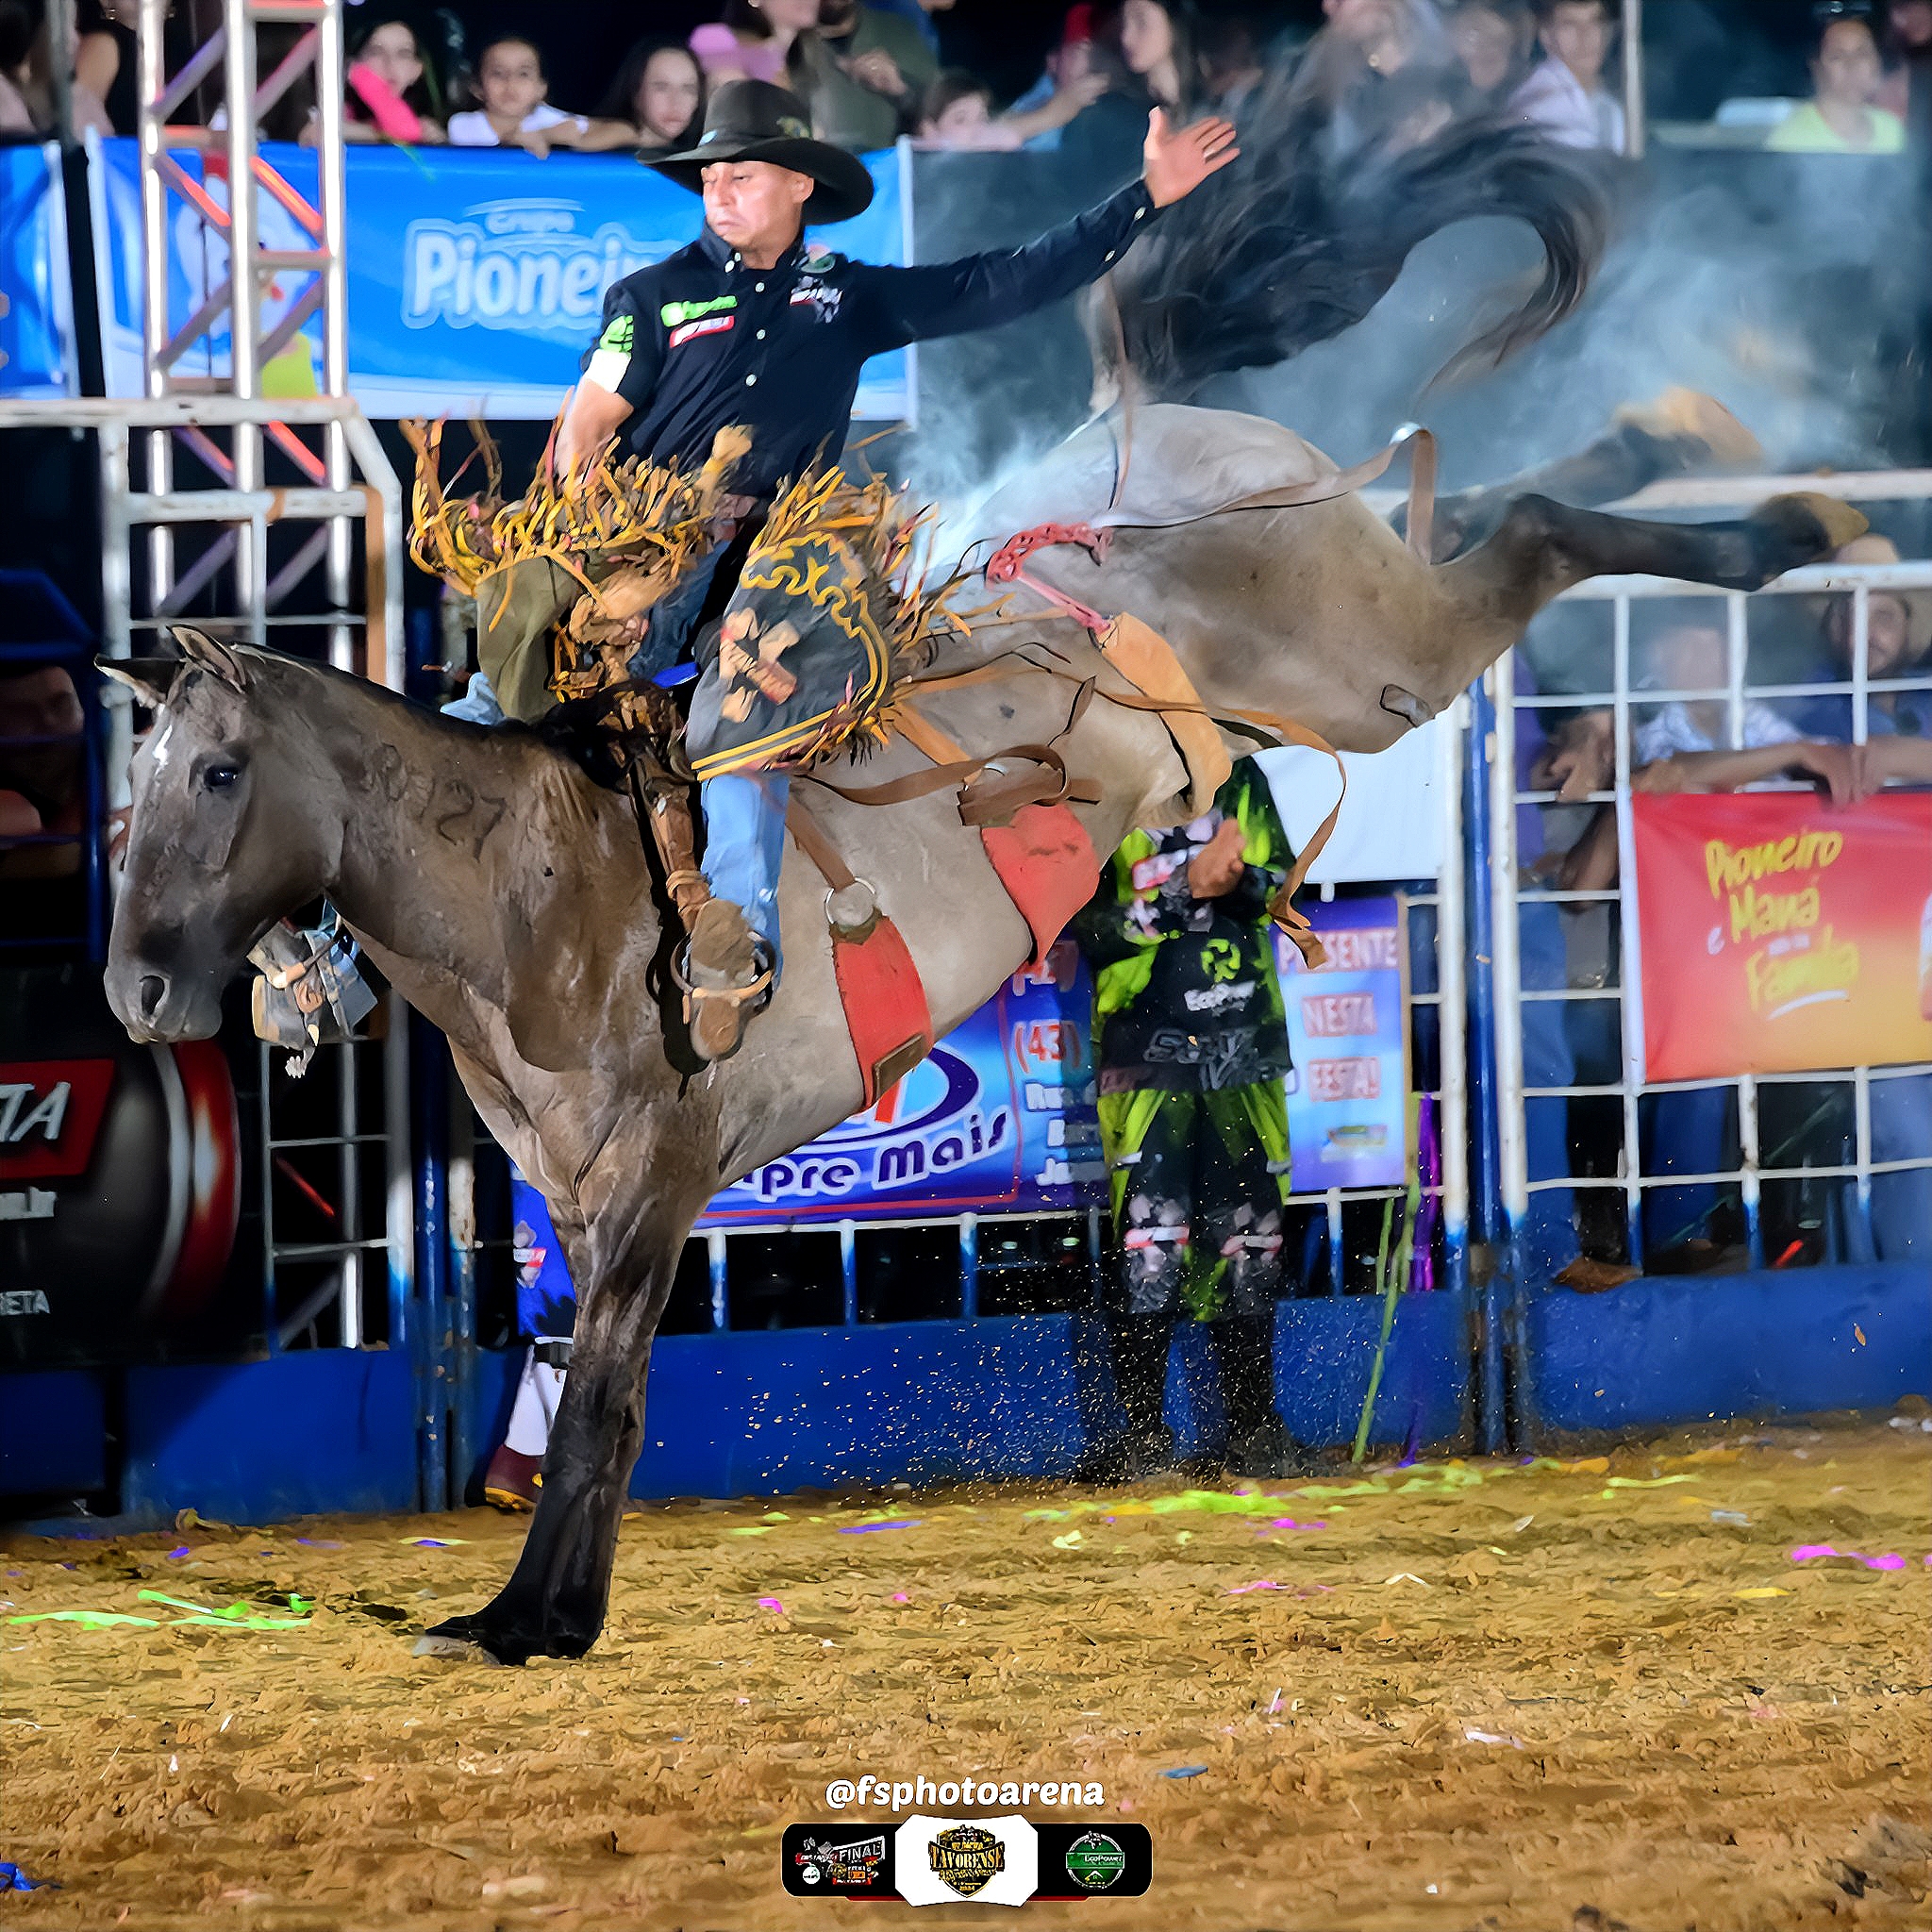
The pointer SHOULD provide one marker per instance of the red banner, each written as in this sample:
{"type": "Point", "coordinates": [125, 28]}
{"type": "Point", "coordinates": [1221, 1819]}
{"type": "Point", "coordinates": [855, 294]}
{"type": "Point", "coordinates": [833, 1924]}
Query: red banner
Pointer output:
{"type": "Point", "coordinates": [1782, 935]}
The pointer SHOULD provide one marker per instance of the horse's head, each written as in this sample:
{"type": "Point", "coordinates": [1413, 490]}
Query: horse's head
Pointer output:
{"type": "Point", "coordinates": [225, 837]}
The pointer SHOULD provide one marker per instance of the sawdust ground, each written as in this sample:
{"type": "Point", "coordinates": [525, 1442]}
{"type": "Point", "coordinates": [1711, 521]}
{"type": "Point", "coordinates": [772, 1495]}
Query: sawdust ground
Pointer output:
{"type": "Point", "coordinates": [1505, 1702]}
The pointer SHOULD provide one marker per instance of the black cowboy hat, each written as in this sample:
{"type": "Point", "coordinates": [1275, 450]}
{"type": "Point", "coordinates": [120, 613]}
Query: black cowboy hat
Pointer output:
{"type": "Point", "coordinates": [755, 121]}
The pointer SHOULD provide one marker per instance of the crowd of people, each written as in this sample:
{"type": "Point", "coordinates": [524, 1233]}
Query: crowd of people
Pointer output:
{"type": "Point", "coordinates": [874, 71]}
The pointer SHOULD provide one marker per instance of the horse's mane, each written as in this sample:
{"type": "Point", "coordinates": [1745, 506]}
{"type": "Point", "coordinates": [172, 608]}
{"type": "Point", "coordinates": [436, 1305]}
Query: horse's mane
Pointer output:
{"type": "Point", "coordinates": [1300, 237]}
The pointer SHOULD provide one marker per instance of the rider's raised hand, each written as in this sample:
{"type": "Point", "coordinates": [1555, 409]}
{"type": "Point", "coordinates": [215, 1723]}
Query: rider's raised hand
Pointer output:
{"type": "Point", "coordinates": [1175, 161]}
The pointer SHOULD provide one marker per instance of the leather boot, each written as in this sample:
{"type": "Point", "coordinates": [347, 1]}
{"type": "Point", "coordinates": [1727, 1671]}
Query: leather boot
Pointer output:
{"type": "Point", "coordinates": [725, 984]}
{"type": "Point", "coordinates": [1258, 1443]}
{"type": "Point", "coordinates": [1139, 1345]}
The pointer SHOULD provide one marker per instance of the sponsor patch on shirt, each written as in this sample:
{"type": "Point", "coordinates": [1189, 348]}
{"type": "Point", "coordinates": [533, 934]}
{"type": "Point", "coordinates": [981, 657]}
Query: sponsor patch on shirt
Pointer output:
{"type": "Point", "coordinates": [710, 325]}
{"type": "Point", "coordinates": [672, 314]}
{"type": "Point", "coordinates": [821, 301]}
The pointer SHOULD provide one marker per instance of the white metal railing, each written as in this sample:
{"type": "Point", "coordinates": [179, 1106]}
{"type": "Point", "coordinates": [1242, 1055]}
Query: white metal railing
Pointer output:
{"type": "Point", "coordinates": [1757, 1162]}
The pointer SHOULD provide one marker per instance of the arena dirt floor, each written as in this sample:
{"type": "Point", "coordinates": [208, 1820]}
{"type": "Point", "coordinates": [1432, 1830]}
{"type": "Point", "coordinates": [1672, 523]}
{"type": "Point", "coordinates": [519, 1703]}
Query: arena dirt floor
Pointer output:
{"type": "Point", "coordinates": [1466, 1694]}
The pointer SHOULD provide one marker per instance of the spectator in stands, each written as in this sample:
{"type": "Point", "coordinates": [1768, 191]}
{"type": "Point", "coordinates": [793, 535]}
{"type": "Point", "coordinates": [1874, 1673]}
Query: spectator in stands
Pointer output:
{"type": "Point", "coordinates": [28, 103]}
{"type": "Point", "coordinates": [105, 63]}
{"type": "Point", "coordinates": [1391, 34]}
{"type": "Point", "coordinates": [390, 92]}
{"type": "Point", "coordinates": [1149, 54]}
{"type": "Point", "coordinates": [1493, 40]}
{"type": "Point", "coordinates": [918, 14]}
{"type": "Point", "coordinates": [1069, 84]}
{"type": "Point", "coordinates": [1842, 117]}
{"type": "Point", "coordinates": [957, 112]}
{"type": "Point", "coordinates": [17, 122]}
{"type": "Point", "coordinates": [43, 771]}
{"type": "Point", "coordinates": [1906, 88]}
{"type": "Point", "coordinates": [1895, 647]}
{"type": "Point", "coordinates": [864, 74]}
{"type": "Point", "coordinates": [754, 40]}
{"type": "Point", "coordinates": [1681, 747]}
{"type": "Point", "coordinates": [1564, 94]}
{"type": "Point", "coordinates": [516, 110]}
{"type": "Point", "coordinates": [661, 90]}
{"type": "Point", "coordinates": [1232, 69]}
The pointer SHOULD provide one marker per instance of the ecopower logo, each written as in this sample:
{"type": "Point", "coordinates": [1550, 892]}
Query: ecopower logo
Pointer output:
{"type": "Point", "coordinates": [517, 264]}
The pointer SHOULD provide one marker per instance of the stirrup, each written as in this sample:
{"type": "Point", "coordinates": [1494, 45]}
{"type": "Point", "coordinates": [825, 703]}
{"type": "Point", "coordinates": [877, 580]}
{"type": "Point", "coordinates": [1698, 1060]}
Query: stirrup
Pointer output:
{"type": "Point", "coordinates": [743, 1002]}
{"type": "Point", "coordinates": [311, 992]}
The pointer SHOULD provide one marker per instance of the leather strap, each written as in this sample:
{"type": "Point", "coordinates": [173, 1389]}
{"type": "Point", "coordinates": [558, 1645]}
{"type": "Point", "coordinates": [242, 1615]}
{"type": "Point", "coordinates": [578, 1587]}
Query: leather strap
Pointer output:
{"type": "Point", "coordinates": [887, 1016]}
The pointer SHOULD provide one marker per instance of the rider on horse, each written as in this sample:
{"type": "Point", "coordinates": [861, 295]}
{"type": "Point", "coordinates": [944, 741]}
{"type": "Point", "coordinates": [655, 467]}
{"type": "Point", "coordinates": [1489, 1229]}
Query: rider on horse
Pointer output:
{"type": "Point", "coordinates": [745, 329]}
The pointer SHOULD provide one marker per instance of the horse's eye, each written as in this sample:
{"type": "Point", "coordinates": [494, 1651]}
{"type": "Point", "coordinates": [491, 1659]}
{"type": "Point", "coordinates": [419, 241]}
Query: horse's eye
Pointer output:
{"type": "Point", "coordinates": [221, 778]}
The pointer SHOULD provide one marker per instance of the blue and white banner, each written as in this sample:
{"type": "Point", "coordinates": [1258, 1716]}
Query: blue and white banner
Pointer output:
{"type": "Point", "coordinates": [475, 276]}
{"type": "Point", "coordinates": [35, 294]}
{"type": "Point", "coordinates": [999, 1119]}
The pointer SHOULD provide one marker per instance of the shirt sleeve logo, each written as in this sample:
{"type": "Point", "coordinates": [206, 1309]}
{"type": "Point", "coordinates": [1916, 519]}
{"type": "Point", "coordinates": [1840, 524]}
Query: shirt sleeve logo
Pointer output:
{"type": "Point", "coordinates": [673, 314]}
{"type": "Point", "coordinates": [708, 326]}
{"type": "Point", "coordinates": [619, 335]}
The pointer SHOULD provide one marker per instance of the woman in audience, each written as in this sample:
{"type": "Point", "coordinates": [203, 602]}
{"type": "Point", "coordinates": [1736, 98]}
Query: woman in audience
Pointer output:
{"type": "Point", "coordinates": [754, 39]}
{"type": "Point", "coordinates": [958, 112]}
{"type": "Point", "coordinates": [1841, 116]}
{"type": "Point", "coordinates": [392, 92]}
{"type": "Point", "coordinates": [661, 90]}
{"type": "Point", "coordinates": [1491, 39]}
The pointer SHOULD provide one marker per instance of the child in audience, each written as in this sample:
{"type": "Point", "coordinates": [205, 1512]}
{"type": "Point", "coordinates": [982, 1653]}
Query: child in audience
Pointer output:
{"type": "Point", "coordinates": [516, 110]}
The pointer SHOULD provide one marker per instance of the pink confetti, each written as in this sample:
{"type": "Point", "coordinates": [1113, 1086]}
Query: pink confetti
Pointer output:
{"type": "Point", "coordinates": [771, 1603]}
{"type": "Point", "coordinates": [1242, 1589]}
{"type": "Point", "coordinates": [1805, 1553]}
{"type": "Point", "coordinates": [1288, 1522]}
{"type": "Point", "coordinates": [899, 1596]}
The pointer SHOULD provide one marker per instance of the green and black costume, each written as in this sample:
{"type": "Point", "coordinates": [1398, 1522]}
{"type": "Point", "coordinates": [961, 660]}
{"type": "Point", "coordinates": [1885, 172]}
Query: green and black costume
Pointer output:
{"type": "Point", "coordinates": [1192, 1054]}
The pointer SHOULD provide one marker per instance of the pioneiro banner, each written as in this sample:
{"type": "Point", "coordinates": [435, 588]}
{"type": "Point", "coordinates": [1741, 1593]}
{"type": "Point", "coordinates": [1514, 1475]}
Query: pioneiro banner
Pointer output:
{"type": "Point", "coordinates": [1348, 1031]}
{"type": "Point", "coordinates": [1783, 935]}
{"type": "Point", "coordinates": [36, 305]}
{"type": "Point", "coordinates": [475, 276]}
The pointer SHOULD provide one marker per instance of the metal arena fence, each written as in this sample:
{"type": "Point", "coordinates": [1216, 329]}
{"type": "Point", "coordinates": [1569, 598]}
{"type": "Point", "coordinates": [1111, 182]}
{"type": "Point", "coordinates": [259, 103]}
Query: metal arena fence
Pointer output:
{"type": "Point", "coordinates": [1758, 1170]}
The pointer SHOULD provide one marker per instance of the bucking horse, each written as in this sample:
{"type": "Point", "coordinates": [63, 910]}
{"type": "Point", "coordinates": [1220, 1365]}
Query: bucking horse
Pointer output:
{"type": "Point", "coordinates": [508, 898]}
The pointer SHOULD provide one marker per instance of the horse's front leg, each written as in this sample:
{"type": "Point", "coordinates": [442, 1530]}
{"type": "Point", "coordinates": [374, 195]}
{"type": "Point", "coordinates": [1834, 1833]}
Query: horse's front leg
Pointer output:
{"type": "Point", "coordinates": [553, 1603]}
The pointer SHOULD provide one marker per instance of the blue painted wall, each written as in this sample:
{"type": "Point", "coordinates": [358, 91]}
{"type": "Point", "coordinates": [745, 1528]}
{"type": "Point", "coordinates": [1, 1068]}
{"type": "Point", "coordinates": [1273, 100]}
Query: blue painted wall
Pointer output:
{"type": "Point", "coordinates": [766, 1411]}
{"type": "Point", "coordinates": [1690, 1348]}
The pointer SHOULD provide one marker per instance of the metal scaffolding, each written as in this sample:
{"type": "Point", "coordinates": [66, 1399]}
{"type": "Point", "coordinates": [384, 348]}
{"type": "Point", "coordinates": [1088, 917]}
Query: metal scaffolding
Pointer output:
{"type": "Point", "coordinates": [237, 404]}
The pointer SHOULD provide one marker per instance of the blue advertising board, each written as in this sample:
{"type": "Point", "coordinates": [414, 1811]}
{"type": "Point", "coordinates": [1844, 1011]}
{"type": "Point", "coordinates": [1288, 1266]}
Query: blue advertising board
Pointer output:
{"type": "Point", "coordinates": [475, 276]}
{"type": "Point", "coordinates": [998, 1119]}
{"type": "Point", "coordinates": [36, 302]}
{"type": "Point", "coordinates": [1348, 1031]}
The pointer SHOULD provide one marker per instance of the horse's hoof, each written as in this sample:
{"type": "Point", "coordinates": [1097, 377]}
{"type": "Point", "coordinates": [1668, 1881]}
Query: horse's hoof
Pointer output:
{"type": "Point", "coordinates": [1801, 526]}
{"type": "Point", "coordinates": [1704, 431]}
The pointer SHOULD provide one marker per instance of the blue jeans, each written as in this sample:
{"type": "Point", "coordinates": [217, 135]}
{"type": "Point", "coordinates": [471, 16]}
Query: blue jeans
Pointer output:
{"type": "Point", "coordinates": [1901, 1202]}
{"type": "Point", "coordinates": [1684, 1132]}
{"type": "Point", "coordinates": [744, 847]}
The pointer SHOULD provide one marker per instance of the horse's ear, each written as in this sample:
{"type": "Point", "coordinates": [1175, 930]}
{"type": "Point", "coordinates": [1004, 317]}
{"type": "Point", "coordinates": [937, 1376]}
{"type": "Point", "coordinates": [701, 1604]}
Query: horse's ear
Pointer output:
{"type": "Point", "coordinates": [217, 660]}
{"type": "Point", "coordinates": [149, 679]}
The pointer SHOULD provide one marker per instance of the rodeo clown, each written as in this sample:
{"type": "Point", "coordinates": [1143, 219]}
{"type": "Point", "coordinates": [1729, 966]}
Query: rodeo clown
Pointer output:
{"type": "Point", "coordinates": [1191, 1052]}
{"type": "Point", "coordinates": [747, 333]}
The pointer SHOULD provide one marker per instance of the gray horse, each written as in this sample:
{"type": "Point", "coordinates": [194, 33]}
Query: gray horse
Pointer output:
{"type": "Point", "coordinates": [506, 897]}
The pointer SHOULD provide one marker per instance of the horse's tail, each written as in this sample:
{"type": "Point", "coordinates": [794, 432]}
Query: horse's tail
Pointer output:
{"type": "Point", "coordinates": [1299, 239]}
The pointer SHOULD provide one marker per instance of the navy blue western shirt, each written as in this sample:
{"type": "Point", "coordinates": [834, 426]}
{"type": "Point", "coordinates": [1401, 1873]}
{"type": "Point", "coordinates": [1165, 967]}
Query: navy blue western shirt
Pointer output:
{"type": "Point", "coordinates": [699, 340]}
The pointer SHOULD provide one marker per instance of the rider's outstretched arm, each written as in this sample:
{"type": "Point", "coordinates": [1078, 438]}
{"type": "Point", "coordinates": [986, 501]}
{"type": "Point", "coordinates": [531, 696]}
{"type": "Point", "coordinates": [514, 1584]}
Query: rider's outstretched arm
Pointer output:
{"type": "Point", "coordinates": [911, 305]}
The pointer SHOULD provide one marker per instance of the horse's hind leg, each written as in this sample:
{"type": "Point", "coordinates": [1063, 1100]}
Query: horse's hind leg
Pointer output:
{"type": "Point", "coordinates": [553, 1603]}
{"type": "Point", "coordinates": [1542, 547]}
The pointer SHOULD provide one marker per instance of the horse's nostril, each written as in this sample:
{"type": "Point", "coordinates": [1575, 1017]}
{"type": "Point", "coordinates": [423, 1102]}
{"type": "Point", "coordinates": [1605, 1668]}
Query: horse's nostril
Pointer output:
{"type": "Point", "coordinates": [154, 990]}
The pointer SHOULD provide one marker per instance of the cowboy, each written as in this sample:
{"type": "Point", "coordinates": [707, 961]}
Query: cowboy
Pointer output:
{"type": "Point", "coordinates": [746, 328]}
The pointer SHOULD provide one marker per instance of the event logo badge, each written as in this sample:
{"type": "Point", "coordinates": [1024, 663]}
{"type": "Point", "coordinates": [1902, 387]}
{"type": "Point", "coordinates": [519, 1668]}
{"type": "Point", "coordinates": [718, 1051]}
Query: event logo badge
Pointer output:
{"type": "Point", "coordinates": [848, 1864]}
{"type": "Point", "coordinates": [994, 1861]}
{"type": "Point", "coordinates": [1096, 1861]}
{"type": "Point", "coordinates": [967, 1858]}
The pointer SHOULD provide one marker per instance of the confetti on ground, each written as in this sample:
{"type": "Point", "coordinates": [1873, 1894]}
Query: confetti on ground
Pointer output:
{"type": "Point", "coordinates": [862, 1528]}
{"type": "Point", "coordinates": [1242, 1589]}
{"type": "Point", "coordinates": [1185, 1771]}
{"type": "Point", "coordinates": [1324, 1724]}
{"type": "Point", "coordinates": [1808, 1552]}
